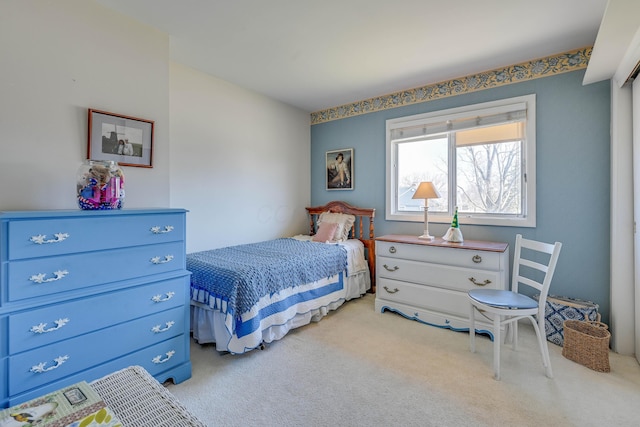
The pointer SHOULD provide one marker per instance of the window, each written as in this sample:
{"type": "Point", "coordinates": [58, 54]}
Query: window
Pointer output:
{"type": "Point", "coordinates": [481, 158]}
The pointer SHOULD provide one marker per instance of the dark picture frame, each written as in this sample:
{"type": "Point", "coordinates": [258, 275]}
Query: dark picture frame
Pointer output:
{"type": "Point", "coordinates": [123, 139]}
{"type": "Point", "coordinates": [339, 166]}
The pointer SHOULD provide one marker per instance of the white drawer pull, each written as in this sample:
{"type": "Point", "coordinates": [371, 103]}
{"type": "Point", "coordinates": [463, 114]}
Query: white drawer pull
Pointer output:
{"type": "Point", "coordinates": [42, 238]}
{"type": "Point", "coordinates": [157, 329]}
{"type": "Point", "coordinates": [159, 298]}
{"type": "Point", "coordinates": [159, 230]}
{"type": "Point", "coordinates": [40, 278]}
{"type": "Point", "coordinates": [40, 329]}
{"type": "Point", "coordinates": [391, 292]}
{"type": "Point", "coordinates": [159, 359]}
{"type": "Point", "coordinates": [473, 280]}
{"type": "Point", "coordinates": [158, 260]}
{"type": "Point", "coordinates": [40, 367]}
{"type": "Point", "coordinates": [391, 269]}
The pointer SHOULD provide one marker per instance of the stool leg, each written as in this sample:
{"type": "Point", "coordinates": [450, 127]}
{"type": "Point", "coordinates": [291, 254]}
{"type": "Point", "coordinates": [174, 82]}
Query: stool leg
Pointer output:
{"type": "Point", "coordinates": [496, 346]}
{"type": "Point", "coordinates": [472, 329]}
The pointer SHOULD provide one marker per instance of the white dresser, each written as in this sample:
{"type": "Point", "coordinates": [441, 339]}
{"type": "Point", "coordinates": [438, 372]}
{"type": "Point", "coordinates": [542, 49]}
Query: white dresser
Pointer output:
{"type": "Point", "coordinates": [86, 293]}
{"type": "Point", "coordinates": [428, 281]}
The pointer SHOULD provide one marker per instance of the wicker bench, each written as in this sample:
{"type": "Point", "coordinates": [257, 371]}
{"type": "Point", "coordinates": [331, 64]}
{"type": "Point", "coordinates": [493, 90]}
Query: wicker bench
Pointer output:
{"type": "Point", "coordinates": [140, 401]}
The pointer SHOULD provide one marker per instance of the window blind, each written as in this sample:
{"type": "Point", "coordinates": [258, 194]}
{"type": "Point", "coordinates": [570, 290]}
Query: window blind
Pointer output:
{"type": "Point", "coordinates": [432, 126]}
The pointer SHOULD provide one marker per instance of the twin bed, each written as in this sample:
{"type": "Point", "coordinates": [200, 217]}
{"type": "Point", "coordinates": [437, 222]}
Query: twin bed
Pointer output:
{"type": "Point", "coordinates": [247, 295]}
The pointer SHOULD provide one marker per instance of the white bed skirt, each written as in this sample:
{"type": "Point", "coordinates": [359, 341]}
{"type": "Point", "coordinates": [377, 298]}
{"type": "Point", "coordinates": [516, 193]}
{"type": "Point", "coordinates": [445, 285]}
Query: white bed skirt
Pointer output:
{"type": "Point", "coordinates": [208, 325]}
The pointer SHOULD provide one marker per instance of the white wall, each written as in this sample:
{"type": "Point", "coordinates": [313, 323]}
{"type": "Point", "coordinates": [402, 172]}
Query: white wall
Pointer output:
{"type": "Point", "coordinates": [57, 59]}
{"type": "Point", "coordinates": [240, 162]}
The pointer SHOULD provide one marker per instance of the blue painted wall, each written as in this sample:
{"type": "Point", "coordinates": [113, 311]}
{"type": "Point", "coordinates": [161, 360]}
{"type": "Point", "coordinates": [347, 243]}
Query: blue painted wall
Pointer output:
{"type": "Point", "coordinates": [573, 175]}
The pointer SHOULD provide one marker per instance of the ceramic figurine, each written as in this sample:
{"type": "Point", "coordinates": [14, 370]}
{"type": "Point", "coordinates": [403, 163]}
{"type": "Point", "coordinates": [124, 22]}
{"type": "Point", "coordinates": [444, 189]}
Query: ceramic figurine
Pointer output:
{"type": "Point", "coordinates": [454, 234]}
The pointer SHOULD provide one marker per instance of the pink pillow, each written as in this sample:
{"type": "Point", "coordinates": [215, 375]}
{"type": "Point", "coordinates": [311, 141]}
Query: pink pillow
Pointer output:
{"type": "Point", "coordinates": [325, 233]}
{"type": "Point", "coordinates": [344, 221]}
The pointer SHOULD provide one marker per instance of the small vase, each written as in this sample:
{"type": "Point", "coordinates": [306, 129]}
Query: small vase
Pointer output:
{"type": "Point", "coordinates": [100, 185]}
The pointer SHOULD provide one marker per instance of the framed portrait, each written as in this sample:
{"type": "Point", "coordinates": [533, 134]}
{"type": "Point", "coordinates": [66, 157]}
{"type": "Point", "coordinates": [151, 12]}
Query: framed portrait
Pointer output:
{"type": "Point", "coordinates": [123, 139]}
{"type": "Point", "coordinates": [340, 169]}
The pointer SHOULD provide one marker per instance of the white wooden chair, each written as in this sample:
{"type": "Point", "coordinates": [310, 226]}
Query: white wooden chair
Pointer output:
{"type": "Point", "coordinates": [506, 308]}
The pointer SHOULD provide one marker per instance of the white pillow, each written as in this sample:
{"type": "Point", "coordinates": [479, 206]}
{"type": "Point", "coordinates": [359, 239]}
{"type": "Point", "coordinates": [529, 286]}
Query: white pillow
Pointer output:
{"type": "Point", "coordinates": [344, 221]}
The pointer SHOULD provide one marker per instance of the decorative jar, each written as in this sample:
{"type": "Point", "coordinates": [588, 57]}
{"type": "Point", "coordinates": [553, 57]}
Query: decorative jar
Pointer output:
{"type": "Point", "coordinates": [100, 185]}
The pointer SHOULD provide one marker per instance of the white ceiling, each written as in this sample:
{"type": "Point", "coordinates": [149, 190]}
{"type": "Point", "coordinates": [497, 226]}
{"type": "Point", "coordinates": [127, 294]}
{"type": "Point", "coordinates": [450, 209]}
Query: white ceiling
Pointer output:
{"type": "Point", "coordinates": [320, 54]}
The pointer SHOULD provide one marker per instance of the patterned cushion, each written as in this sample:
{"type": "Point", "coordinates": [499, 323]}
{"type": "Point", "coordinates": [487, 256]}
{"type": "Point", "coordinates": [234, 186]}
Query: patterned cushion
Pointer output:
{"type": "Point", "coordinates": [559, 309]}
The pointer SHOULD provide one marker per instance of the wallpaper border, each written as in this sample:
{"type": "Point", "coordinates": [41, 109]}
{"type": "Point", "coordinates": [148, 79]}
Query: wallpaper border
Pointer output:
{"type": "Point", "coordinates": [543, 67]}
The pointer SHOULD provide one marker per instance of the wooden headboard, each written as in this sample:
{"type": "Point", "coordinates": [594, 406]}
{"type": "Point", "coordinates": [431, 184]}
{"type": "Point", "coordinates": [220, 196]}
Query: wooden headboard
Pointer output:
{"type": "Point", "coordinates": [360, 231]}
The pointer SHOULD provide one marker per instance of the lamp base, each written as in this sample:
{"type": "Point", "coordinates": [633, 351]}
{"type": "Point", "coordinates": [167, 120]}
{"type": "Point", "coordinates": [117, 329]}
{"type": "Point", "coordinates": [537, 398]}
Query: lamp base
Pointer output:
{"type": "Point", "coordinates": [426, 237]}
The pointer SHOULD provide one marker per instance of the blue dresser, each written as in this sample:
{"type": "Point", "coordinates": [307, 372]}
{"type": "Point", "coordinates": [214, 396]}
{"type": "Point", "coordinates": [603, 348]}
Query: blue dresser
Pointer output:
{"type": "Point", "coordinates": [86, 293]}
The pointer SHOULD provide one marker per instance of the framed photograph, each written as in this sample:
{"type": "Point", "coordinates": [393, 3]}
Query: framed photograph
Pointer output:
{"type": "Point", "coordinates": [123, 139]}
{"type": "Point", "coordinates": [340, 169]}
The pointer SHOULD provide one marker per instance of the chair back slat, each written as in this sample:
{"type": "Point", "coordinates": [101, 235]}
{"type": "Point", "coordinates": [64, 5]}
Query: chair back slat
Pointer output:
{"type": "Point", "coordinates": [533, 264]}
{"type": "Point", "coordinates": [537, 246]}
{"type": "Point", "coordinates": [530, 282]}
{"type": "Point", "coordinates": [541, 280]}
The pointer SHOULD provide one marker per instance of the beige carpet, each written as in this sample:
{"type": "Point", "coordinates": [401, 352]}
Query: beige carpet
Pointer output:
{"type": "Point", "coordinates": [358, 367]}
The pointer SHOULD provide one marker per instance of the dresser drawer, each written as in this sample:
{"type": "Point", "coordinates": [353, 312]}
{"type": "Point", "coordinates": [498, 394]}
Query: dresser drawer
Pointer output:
{"type": "Point", "coordinates": [31, 278]}
{"type": "Point", "coordinates": [35, 328]}
{"type": "Point", "coordinates": [441, 255]}
{"type": "Point", "coordinates": [444, 301]}
{"type": "Point", "coordinates": [76, 354]}
{"type": "Point", "coordinates": [442, 276]}
{"type": "Point", "coordinates": [164, 355]}
{"type": "Point", "coordinates": [154, 359]}
{"type": "Point", "coordinates": [29, 238]}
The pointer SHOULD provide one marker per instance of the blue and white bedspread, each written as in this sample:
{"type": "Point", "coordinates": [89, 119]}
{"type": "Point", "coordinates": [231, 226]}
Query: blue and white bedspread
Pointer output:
{"type": "Point", "coordinates": [237, 280]}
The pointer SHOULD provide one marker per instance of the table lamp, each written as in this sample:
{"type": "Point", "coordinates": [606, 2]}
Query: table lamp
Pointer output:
{"type": "Point", "coordinates": [426, 191]}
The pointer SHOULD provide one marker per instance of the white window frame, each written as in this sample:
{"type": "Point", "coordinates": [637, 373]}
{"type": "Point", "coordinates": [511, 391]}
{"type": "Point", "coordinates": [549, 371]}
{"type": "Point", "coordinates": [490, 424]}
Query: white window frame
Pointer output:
{"type": "Point", "coordinates": [527, 219]}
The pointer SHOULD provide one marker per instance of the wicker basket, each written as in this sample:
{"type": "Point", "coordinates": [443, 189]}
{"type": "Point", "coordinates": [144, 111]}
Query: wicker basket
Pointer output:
{"type": "Point", "coordinates": [587, 343]}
